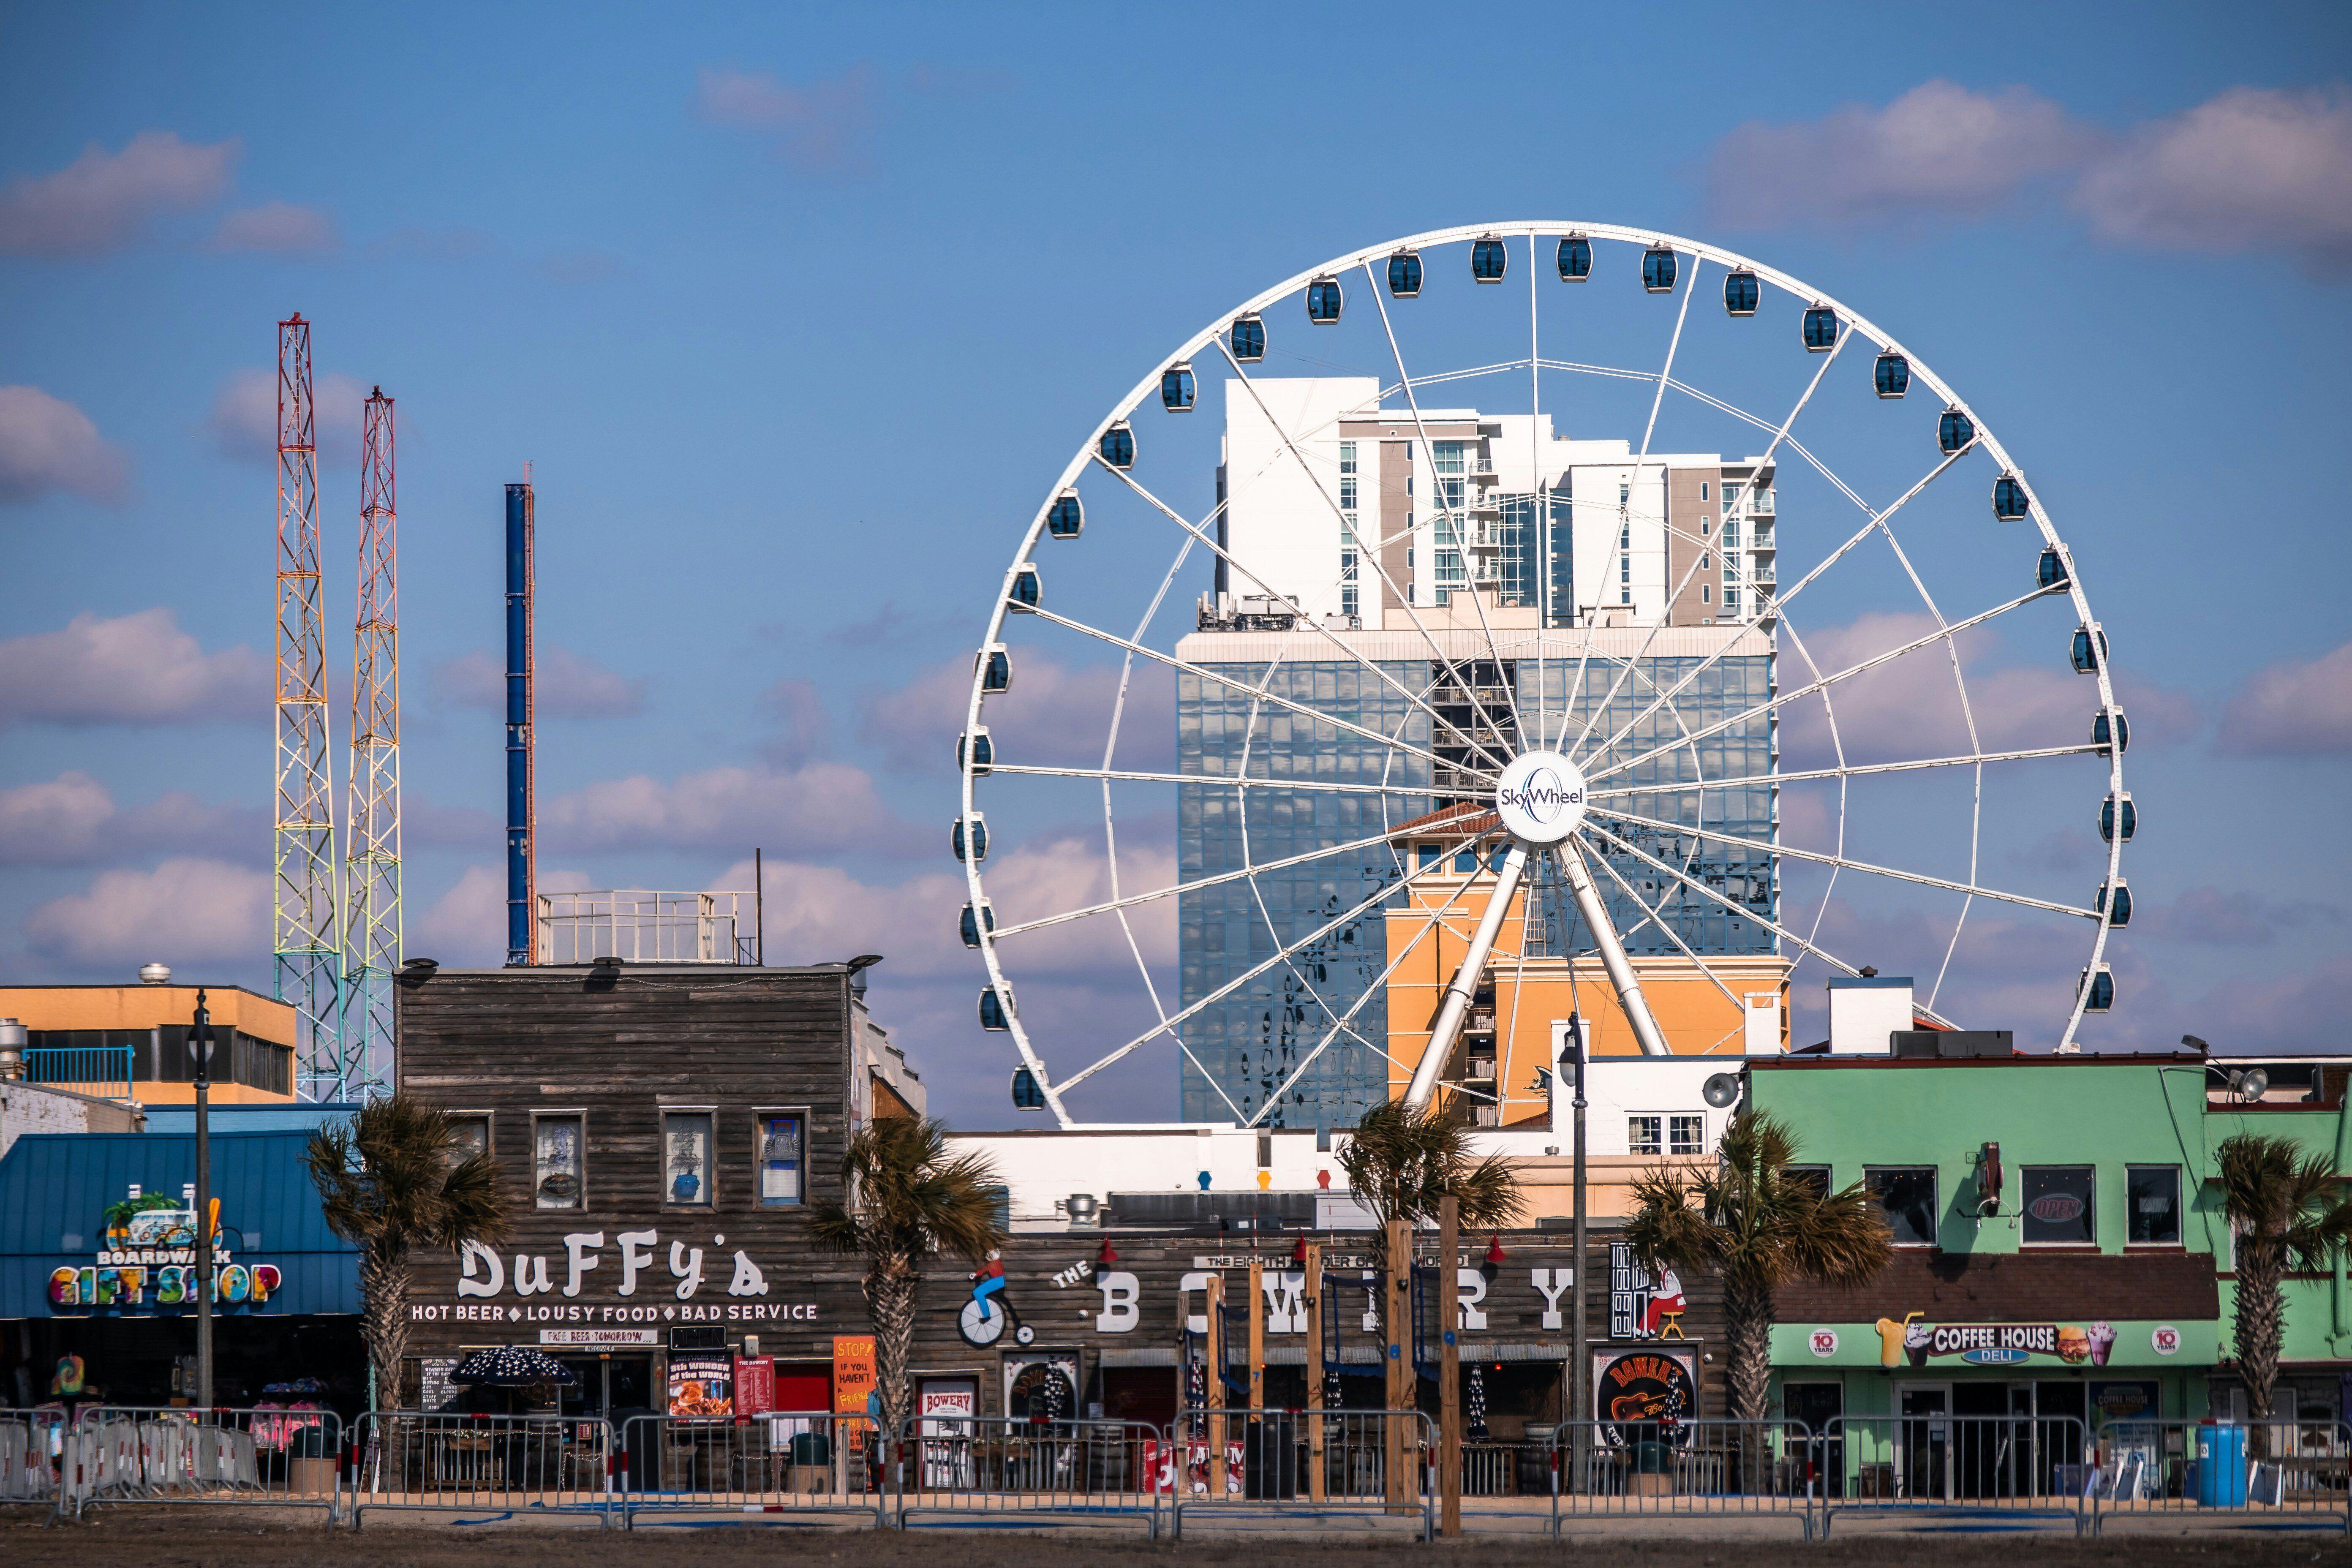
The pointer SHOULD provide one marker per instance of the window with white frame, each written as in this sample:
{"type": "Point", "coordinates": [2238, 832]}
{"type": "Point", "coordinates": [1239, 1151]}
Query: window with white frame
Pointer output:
{"type": "Point", "coordinates": [1645, 1134]}
{"type": "Point", "coordinates": [1686, 1135]}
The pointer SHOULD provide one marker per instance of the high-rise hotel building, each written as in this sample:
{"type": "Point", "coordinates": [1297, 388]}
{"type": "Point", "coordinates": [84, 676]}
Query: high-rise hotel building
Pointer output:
{"type": "Point", "coordinates": [1549, 577]}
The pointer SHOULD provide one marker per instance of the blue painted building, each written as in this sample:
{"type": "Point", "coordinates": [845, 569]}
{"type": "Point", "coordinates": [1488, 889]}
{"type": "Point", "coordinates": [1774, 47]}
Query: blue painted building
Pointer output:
{"type": "Point", "coordinates": [97, 1258]}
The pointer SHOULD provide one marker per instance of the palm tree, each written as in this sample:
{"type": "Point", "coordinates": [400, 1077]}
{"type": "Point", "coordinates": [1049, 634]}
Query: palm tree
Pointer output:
{"type": "Point", "coordinates": [907, 1202]}
{"type": "Point", "coordinates": [1400, 1161]}
{"type": "Point", "coordinates": [2286, 1210]}
{"type": "Point", "coordinates": [1758, 1225]}
{"type": "Point", "coordinates": [388, 1185]}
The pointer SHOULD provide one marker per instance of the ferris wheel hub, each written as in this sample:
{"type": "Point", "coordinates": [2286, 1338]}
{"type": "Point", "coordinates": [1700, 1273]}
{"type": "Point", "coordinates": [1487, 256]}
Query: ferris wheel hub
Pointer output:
{"type": "Point", "coordinates": [1540, 798]}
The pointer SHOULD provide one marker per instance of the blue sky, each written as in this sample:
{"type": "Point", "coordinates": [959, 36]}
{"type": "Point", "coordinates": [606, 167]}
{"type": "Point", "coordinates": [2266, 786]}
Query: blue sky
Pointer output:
{"type": "Point", "coordinates": [796, 313]}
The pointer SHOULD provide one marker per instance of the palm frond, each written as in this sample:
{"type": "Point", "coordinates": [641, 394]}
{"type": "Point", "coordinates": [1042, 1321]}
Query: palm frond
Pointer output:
{"type": "Point", "coordinates": [908, 1198]}
{"type": "Point", "coordinates": [1401, 1164]}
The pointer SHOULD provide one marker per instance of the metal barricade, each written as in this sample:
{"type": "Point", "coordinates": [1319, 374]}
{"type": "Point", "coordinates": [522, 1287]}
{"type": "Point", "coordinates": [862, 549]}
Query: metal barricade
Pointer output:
{"type": "Point", "coordinates": [792, 1464]}
{"type": "Point", "coordinates": [1300, 1464]}
{"type": "Point", "coordinates": [1613, 1469]}
{"type": "Point", "coordinates": [486, 1464]}
{"type": "Point", "coordinates": [30, 1443]}
{"type": "Point", "coordinates": [1955, 1466]}
{"type": "Point", "coordinates": [269, 1456]}
{"type": "Point", "coordinates": [959, 1469]}
{"type": "Point", "coordinates": [2181, 1472]}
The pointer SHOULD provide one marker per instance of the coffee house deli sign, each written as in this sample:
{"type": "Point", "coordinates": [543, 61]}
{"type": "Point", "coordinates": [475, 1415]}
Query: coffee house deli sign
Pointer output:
{"type": "Point", "coordinates": [1914, 1340]}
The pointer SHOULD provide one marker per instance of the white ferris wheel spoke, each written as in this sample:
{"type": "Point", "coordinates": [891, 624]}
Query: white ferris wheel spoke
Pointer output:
{"type": "Point", "coordinates": [1447, 513]}
{"type": "Point", "coordinates": [1318, 715]}
{"type": "Point", "coordinates": [1784, 698]}
{"type": "Point", "coordinates": [1746, 513]}
{"type": "Point", "coordinates": [1782, 601]}
{"type": "Point", "coordinates": [1257, 893]}
{"type": "Point", "coordinates": [1685, 786]}
{"type": "Point", "coordinates": [1627, 846]}
{"type": "Point", "coordinates": [1230, 780]}
{"type": "Point", "coordinates": [1110, 821]}
{"type": "Point", "coordinates": [1133, 900]}
{"type": "Point", "coordinates": [1922, 878]}
{"type": "Point", "coordinates": [1370, 557]}
{"type": "Point", "coordinates": [1432, 920]}
{"type": "Point", "coordinates": [1230, 986]}
{"type": "Point", "coordinates": [1617, 541]}
{"type": "Point", "coordinates": [1653, 918]}
{"type": "Point", "coordinates": [1312, 624]}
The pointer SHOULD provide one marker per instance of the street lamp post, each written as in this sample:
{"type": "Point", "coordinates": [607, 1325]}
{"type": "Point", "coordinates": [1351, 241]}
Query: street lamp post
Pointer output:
{"type": "Point", "coordinates": [1579, 1367]}
{"type": "Point", "coordinates": [200, 1044]}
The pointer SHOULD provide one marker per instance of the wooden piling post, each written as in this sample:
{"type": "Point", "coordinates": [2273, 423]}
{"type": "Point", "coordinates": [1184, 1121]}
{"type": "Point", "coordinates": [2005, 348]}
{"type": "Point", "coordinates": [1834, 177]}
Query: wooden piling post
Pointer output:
{"type": "Point", "coordinates": [1215, 1299]}
{"type": "Point", "coordinates": [1449, 1365]}
{"type": "Point", "coordinates": [1316, 1376]}
{"type": "Point", "coordinates": [1403, 1390]}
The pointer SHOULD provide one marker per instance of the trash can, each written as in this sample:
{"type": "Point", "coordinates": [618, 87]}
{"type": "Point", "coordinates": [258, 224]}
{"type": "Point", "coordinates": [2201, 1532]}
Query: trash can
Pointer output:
{"type": "Point", "coordinates": [1270, 1457]}
{"type": "Point", "coordinates": [1535, 1460]}
{"type": "Point", "coordinates": [2220, 1465]}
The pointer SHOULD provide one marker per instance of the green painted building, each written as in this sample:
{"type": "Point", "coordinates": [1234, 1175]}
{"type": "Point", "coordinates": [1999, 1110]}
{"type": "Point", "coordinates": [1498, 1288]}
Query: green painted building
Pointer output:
{"type": "Point", "coordinates": [2060, 1246]}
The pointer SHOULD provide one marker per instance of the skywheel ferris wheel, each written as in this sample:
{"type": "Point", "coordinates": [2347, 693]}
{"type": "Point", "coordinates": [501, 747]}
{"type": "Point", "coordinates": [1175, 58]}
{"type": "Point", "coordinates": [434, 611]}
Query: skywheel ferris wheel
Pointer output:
{"type": "Point", "coordinates": [1445, 696]}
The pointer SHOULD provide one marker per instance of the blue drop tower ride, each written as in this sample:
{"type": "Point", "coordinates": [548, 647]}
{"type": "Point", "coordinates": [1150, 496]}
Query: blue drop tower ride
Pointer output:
{"type": "Point", "coordinates": [520, 815]}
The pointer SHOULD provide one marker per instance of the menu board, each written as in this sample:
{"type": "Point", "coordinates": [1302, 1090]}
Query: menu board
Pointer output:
{"type": "Point", "coordinates": [755, 1384]}
{"type": "Point", "coordinates": [434, 1387]}
{"type": "Point", "coordinates": [701, 1384]}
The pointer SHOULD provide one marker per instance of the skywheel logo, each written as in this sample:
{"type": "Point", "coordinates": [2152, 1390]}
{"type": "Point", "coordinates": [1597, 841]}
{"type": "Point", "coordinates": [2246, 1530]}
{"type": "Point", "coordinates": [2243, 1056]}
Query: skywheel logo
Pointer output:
{"type": "Point", "coordinates": [1540, 798]}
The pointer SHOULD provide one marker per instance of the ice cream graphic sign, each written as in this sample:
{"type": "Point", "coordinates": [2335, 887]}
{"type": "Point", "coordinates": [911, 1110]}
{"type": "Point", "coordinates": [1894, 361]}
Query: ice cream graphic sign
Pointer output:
{"type": "Point", "coordinates": [1991, 1344]}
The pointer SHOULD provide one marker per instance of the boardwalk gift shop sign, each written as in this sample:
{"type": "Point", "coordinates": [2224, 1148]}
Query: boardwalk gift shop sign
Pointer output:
{"type": "Point", "coordinates": [148, 1259]}
{"type": "Point", "coordinates": [684, 1285]}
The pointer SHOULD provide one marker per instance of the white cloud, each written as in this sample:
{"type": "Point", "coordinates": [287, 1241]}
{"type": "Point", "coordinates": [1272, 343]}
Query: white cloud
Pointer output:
{"type": "Point", "coordinates": [243, 419]}
{"type": "Point", "coordinates": [55, 823]}
{"type": "Point", "coordinates": [565, 684]}
{"type": "Point", "coordinates": [1054, 716]}
{"type": "Point", "coordinates": [72, 820]}
{"type": "Point", "coordinates": [139, 668]}
{"type": "Point", "coordinates": [823, 810]}
{"type": "Point", "coordinates": [47, 444]}
{"type": "Point", "coordinates": [102, 199]}
{"type": "Point", "coordinates": [826, 127]}
{"type": "Point", "coordinates": [2294, 710]}
{"type": "Point", "coordinates": [186, 911]}
{"type": "Point", "coordinates": [467, 926]}
{"type": "Point", "coordinates": [1939, 148]}
{"type": "Point", "coordinates": [1909, 707]}
{"type": "Point", "coordinates": [278, 228]}
{"type": "Point", "coordinates": [2249, 169]}
{"type": "Point", "coordinates": [2217, 918]}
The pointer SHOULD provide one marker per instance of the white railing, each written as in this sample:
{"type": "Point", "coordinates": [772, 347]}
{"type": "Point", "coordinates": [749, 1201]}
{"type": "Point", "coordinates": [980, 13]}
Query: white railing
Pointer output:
{"type": "Point", "coordinates": [638, 926]}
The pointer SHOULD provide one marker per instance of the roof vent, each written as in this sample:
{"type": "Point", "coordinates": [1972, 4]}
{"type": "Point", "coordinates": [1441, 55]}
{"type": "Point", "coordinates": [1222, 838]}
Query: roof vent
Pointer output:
{"type": "Point", "coordinates": [154, 974]}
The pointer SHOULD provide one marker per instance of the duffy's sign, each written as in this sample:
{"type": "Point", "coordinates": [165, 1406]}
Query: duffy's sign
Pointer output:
{"type": "Point", "coordinates": [492, 1289]}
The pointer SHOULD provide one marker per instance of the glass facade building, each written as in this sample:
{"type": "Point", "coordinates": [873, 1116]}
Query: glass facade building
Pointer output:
{"type": "Point", "coordinates": [1318, 1008]}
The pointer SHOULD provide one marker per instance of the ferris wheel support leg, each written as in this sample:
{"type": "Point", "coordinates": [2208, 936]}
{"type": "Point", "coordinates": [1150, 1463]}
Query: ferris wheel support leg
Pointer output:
{"type": "Point", "coordinates": [1456, 1004]}
{"type": "Point", "coordinates": [1613, 951]}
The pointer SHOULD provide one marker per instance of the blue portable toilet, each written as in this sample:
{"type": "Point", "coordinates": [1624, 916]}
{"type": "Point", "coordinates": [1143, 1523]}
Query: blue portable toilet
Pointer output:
{"type": "Point", "coordinates": [2220, 1465]}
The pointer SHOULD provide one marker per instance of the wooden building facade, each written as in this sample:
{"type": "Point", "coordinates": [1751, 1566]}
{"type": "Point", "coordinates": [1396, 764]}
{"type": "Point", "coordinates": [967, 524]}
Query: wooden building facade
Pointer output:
{"type": "Point", "coordinates": [661, 1131]}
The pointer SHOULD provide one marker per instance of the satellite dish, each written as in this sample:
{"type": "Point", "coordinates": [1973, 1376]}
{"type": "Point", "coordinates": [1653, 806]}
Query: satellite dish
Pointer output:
{"type": "Point", "coordinates": [1720, 1091]}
